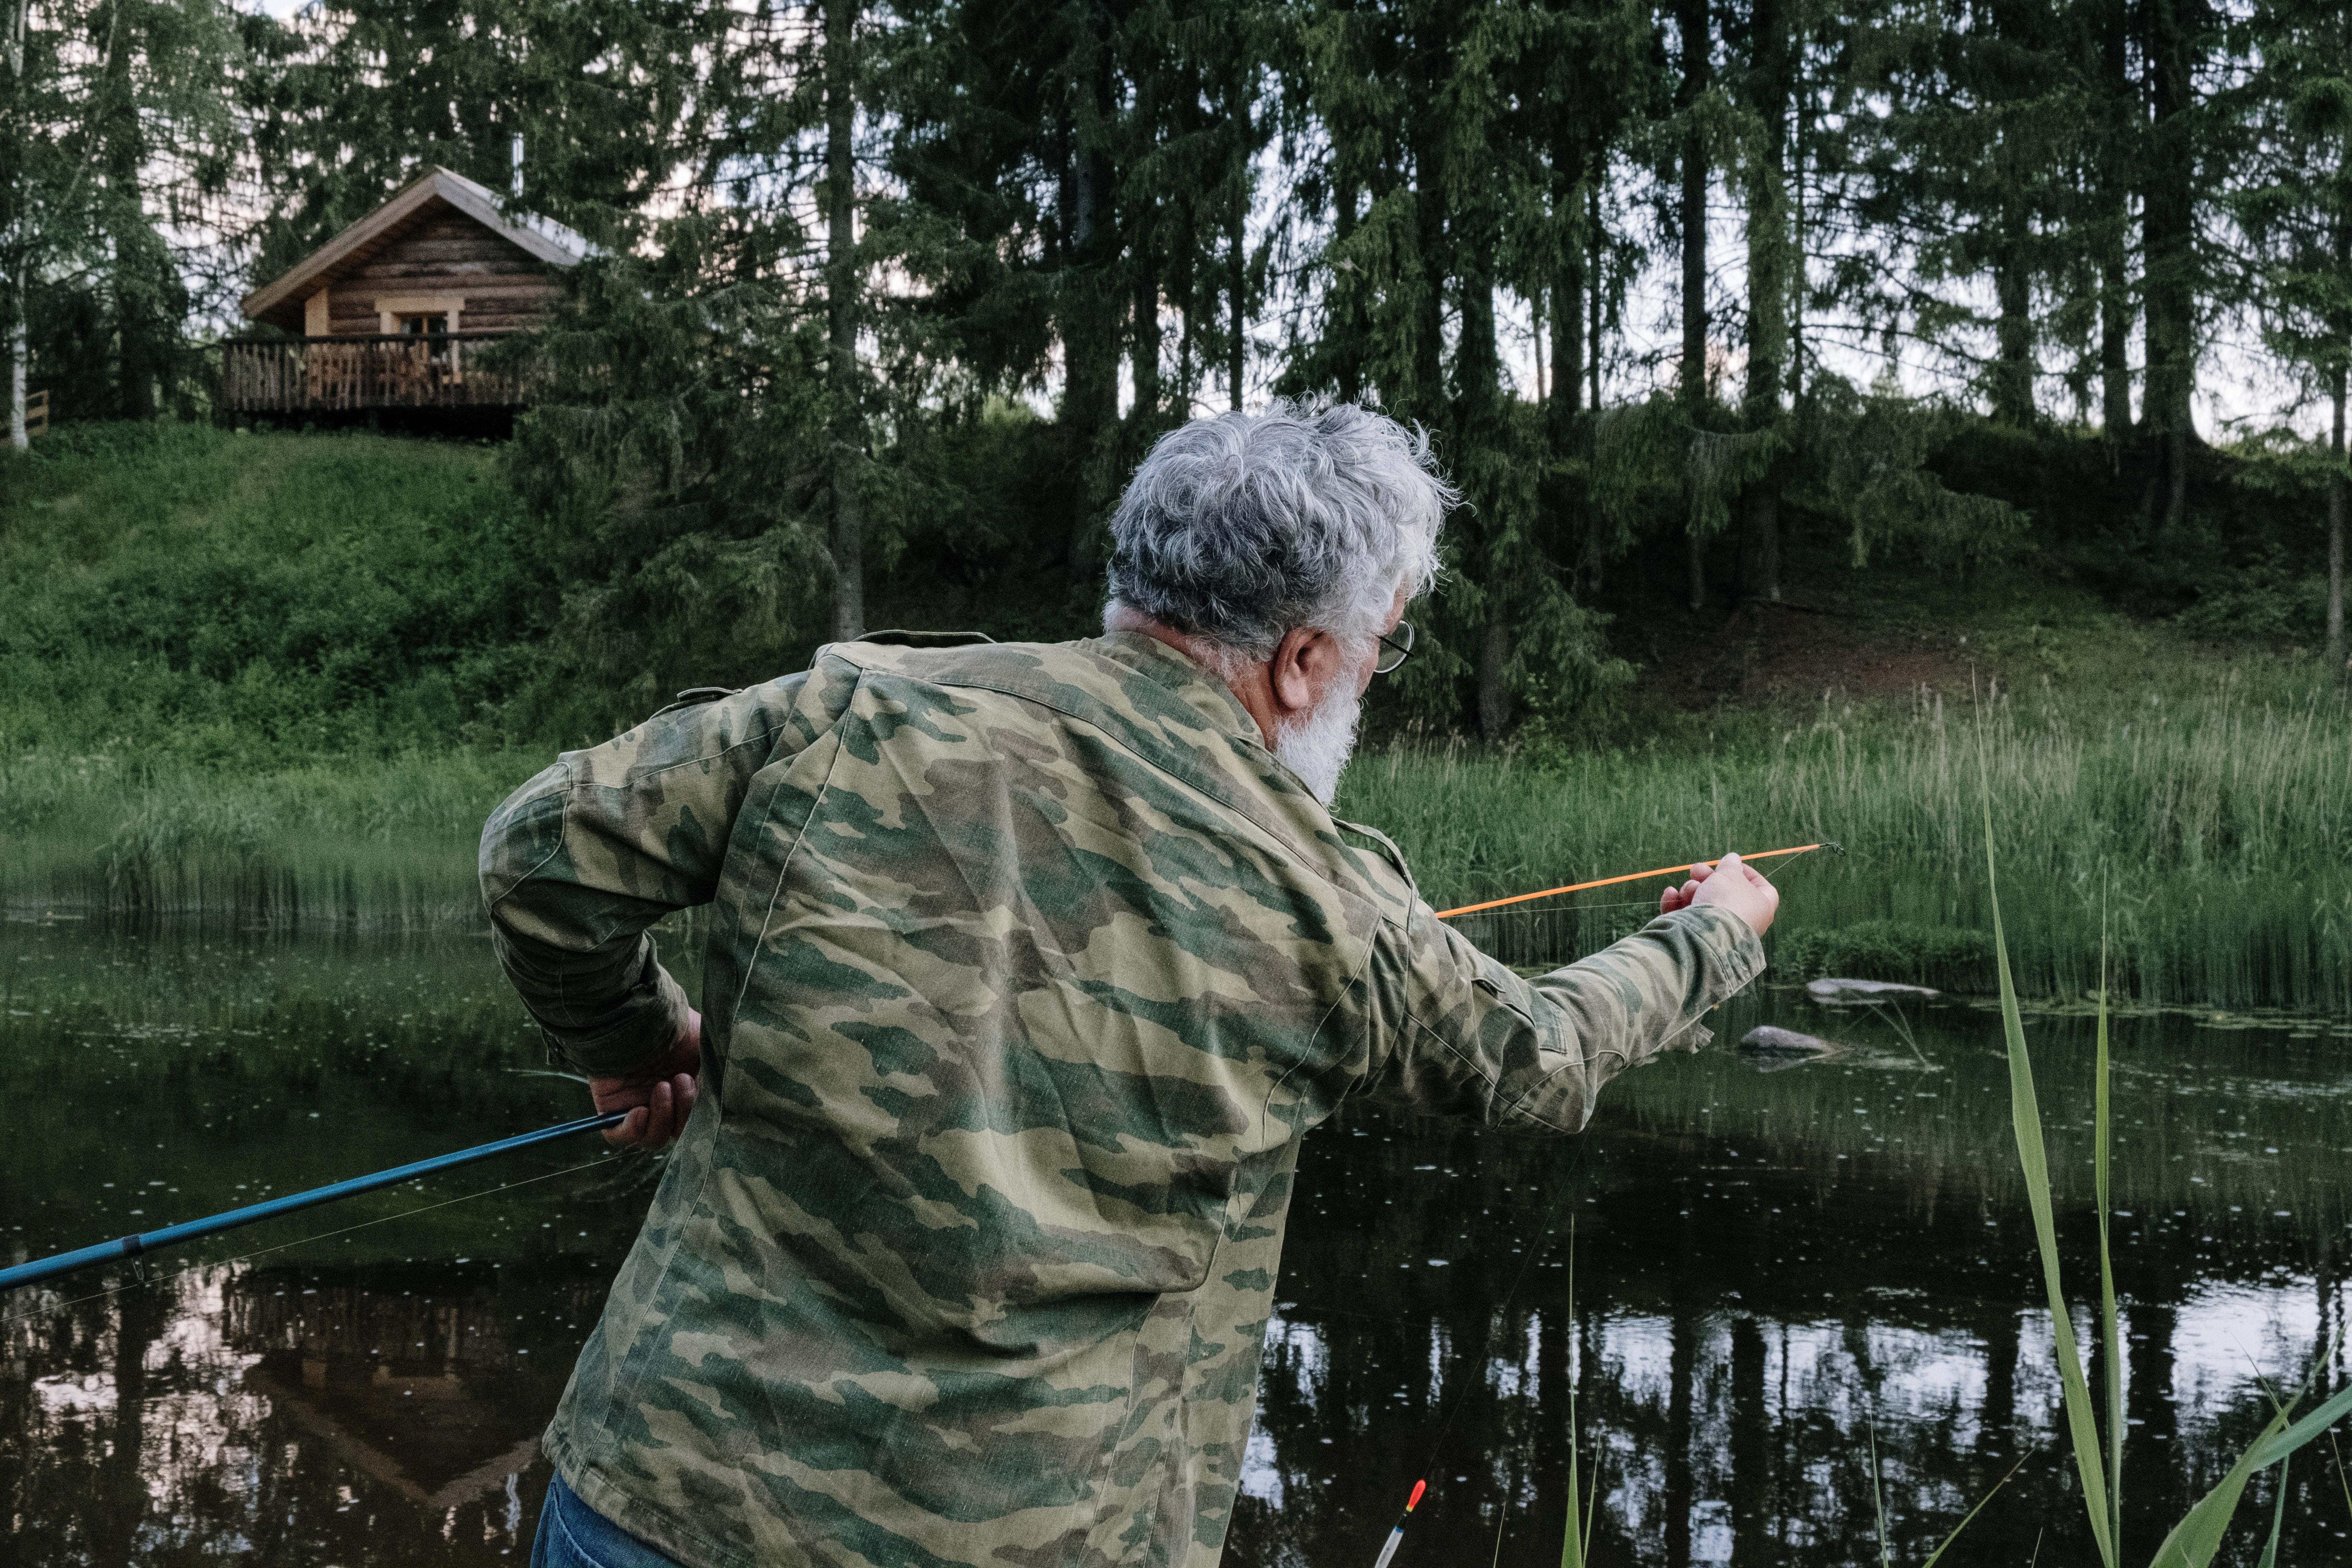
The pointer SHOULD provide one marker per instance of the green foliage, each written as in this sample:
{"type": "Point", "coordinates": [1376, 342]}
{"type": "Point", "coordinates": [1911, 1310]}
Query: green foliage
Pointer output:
{"type": "Point", "coordinates": [349, 99]}
{"type": "Point", "coordinates": [249, 599]}
{"type": "Point", "coordinates": [119, 144]}
{"type": "Point", "coordinates": [1647, 456]}
{"type": "Point", "coordinates": [674, 465]}
{"type": "Point", "coordinates": [1871, 470]}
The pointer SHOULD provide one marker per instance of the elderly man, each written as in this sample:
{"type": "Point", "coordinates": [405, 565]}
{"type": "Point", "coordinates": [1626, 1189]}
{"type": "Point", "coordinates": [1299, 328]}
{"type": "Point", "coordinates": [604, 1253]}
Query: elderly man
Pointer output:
{"type": "Point", "coordinates": [1029, 965]}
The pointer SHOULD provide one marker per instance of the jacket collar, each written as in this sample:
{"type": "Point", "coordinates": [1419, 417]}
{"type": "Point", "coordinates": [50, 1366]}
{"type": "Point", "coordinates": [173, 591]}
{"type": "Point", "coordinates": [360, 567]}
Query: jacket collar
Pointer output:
{"type": "Point", "coordinates": [1201, 689]}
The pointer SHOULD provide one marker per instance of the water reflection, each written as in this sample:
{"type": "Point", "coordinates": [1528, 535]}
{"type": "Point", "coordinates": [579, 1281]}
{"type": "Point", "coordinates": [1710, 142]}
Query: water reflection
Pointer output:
{"type": "Point", "coordinates": [384, 1415]}
{"type": "Point", "coordinates": [1773, 1275]}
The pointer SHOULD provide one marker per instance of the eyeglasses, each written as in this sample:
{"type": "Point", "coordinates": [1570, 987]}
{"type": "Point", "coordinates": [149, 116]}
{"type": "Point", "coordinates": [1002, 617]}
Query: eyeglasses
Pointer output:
{"type": "Point", "coordinates": [1395, 648]}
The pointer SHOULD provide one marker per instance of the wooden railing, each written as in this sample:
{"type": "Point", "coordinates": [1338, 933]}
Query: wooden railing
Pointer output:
{"type": "Point", "coordinates": [293, 374]}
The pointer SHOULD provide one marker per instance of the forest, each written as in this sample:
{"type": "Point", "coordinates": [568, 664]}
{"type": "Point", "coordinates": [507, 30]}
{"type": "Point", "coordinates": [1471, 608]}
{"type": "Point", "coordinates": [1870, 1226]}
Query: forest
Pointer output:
{"type": "Point", "coordinates": [1706, 306]}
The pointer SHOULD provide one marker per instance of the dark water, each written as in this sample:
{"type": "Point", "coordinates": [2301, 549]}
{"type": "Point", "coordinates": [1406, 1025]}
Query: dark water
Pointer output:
{"type": "Point", "coordinates": [1773, 1273]}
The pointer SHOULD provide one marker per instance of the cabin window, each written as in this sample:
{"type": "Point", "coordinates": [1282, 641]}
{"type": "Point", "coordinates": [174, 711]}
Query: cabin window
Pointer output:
{"type": "Point", "coordinates": [436, 326]}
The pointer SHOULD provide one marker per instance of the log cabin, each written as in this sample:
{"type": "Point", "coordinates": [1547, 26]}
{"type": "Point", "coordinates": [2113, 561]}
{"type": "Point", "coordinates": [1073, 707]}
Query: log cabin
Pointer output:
{"type": "Point", "coordinates": [393, 312]}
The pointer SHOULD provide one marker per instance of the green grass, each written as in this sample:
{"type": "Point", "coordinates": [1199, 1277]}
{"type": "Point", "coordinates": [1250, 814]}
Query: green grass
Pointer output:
{"type": "Point", "coordinates": [239, 601]}
{"type": "Point", "coordinates": [2222, 821]}
{"type": "Point", "coordinates": [2218, 810]}
{"type": "Point", "coordinates": [356, 839]}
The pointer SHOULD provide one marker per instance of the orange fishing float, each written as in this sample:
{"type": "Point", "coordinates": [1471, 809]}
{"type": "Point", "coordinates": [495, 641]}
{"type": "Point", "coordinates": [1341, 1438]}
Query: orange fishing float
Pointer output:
{"type": "Point", "coordinates": [1629, 877]}
{"type": "Point", "coordinates": [1397, 1534]}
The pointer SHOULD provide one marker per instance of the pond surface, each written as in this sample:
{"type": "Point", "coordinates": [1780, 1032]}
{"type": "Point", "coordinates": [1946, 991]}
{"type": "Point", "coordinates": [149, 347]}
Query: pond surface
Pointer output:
{"type": "Point", "coordinates": [1773, 1273]}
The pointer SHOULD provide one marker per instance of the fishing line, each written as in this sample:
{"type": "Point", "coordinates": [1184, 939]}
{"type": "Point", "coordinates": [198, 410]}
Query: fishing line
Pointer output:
{"type": "Point", "coordinates": [1494, 1319]}
{"type": "Point", "coordinates": [299, 1241]}
{"type": "Point", "coordinates": [1551, 1225]}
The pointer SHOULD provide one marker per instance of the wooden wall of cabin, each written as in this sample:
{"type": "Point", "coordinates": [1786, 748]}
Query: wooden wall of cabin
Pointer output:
{"type": "Point", "coordinates": [505, 288]}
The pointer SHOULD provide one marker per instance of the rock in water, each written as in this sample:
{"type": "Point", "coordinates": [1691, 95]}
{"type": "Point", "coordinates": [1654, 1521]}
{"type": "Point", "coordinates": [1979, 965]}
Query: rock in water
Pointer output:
{"type": "Point", "coordinates": [1765, 1040]}
{"type": "Point", "coordinates": [1774, 1050]}
{"type": "Point", "coordinates": [1849, 993]}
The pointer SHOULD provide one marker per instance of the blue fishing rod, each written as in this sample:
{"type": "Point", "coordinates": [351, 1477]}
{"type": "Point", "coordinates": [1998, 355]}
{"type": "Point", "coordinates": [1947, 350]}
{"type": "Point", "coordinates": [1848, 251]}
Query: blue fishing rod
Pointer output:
{"type": "Point", "coordinates": [130, 1247]}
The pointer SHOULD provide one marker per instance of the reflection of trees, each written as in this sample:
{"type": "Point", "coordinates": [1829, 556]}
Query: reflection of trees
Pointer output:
{"type": "Point", "coordinates": [384, 1414]}
{"type": "Point", "coordinates": [1730, 1360]}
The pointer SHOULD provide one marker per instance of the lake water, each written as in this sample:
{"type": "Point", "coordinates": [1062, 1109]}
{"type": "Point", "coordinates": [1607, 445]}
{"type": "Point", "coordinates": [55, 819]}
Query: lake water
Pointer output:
{"type": "Point", "coordinates": [1777, 1276]}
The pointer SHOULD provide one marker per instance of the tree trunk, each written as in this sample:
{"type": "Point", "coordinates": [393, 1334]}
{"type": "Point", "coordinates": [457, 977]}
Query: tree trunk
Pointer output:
{"type": "Point", "coordinates": [2012, 377]}
{"type": "Point", "coordinates": [1768, 293]}
{"type": "Point", "coordinates": [2115, 340]}
{"type": "Point", "coordinates": [1091, 303]}
{"type": "Point", "coordinates": [1567, 173]}
{"type": "Point", "coordinates": [1759, 542]}
{"type": "Point", "coordinates": [1593, 287]}
{"type": "Point", "coordinates": [1426, 399]}
{"type": "Point", "coordinates": [1089, 351]}
{"type": "Point", "coordinates": [1237, 241]}
{"type": "Point", "coordinates": [18, 304]}
{"type": "Point", "coordinates": [1346, 319]}
{"type": "Point", "coordinates": [2115, 289]}
{"type": "Point", "coordinates": [2334, 530]}
{"type": "Point", "coordinates": [848, 532]}
{"type": "Point", "coordinates": [1692, 17]}
{"type": "Point", "coordinates": [18, 361]}
{"type": "Point", "coordinates": [2169, 225]}
{"type": "Point", "coordinates": [1146, 351]}
{"type": "Point", "coordinates": [1494, 679]}
{"type": "Point", "coordinates": [139, 268]}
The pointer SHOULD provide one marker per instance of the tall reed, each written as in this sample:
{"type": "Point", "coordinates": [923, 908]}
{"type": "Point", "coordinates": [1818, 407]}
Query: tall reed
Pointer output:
{"type": "Point", "coordinates": [357, 840]}
{"type": "Point", "coordinates": [2224, 821]}
{"type": "Point", "coordinates": [2196, 1538]}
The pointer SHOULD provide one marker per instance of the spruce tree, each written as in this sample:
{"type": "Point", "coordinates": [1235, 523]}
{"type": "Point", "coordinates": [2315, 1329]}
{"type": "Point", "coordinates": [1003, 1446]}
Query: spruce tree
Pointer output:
{"type": "Point", "coordinates": [2295, 206]}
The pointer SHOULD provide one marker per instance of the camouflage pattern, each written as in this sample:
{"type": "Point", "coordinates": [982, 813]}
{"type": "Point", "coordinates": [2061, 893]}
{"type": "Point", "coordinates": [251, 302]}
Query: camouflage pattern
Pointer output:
{"type": "Point", "coordinates": [1030, 967]}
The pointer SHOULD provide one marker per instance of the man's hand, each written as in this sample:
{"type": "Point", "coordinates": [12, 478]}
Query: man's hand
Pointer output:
{"type": "Point", "coordinates": [1729, 886]}
{"type": "Point", "coordinates": [657, 1099]}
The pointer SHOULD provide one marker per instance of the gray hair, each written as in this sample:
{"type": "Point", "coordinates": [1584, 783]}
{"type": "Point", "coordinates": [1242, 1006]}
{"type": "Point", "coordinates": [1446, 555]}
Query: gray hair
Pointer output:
{"type": "Point", "coordinates": [1240, 528]}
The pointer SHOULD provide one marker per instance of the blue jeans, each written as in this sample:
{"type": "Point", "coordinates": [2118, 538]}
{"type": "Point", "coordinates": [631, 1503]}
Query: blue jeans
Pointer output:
{"type": "Point", "coordinates": [573, 1535]}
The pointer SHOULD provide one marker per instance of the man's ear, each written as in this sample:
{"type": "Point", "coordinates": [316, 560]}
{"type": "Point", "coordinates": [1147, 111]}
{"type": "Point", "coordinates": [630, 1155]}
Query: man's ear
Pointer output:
{"type": "Point", "coordinates": [1303, 662]}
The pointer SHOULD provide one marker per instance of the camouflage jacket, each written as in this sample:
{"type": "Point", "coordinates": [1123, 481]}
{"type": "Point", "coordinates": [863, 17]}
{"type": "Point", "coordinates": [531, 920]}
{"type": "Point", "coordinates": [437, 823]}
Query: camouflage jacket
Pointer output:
{"type": "Point", "coordinates": [1030, 966]}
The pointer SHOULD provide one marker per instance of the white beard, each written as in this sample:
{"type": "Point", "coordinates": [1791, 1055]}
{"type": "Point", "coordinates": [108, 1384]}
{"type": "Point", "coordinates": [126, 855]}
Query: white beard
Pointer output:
{"type": "Point", "coordinates": [1316, 748]}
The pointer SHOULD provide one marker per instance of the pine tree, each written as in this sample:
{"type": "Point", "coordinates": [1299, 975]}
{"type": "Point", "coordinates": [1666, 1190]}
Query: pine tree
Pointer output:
{"type": "Point", "coordinates": [119, 150]}
{"type": "Point", "coordinates": [583, 110]}
{"type": "Point", "coordinates": [2178, 38]}
{"type": "Point", "coordinates": [2295, 210]}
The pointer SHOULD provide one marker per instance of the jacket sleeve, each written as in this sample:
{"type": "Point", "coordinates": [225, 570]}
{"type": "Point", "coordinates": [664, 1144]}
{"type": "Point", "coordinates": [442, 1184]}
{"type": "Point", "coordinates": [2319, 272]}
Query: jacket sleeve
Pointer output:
{"type": "Point", "coordinates": [580, 860]}
{"type": "Point", "coordinates": [1457, 1034]}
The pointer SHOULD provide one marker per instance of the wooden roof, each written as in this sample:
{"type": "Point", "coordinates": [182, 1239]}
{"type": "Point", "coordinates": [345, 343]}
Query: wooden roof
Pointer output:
{"type": "Point", "coordinates": [435, 190]}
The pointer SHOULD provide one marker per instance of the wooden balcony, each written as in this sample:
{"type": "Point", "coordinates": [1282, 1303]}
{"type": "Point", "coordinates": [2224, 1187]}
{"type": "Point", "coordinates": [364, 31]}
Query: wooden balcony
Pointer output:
{"type": "Point", "coordinates": [298, 375]}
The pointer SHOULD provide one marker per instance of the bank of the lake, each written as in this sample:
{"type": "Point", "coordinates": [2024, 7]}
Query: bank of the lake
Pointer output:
{"type": "Point", "coordinates": [284, 677]}
{"type": "Point", "coordinates": [2213, 828]}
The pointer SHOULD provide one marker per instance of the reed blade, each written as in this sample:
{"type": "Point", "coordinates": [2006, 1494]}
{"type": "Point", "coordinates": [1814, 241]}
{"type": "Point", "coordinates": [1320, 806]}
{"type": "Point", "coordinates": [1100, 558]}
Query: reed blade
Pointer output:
{"type": "Point", "coordinates": [2025, 1112]}
{"type": "Point", "coordinates": [1947, 1544]}
{"type": "Point", "coordinates": [2198, 1537]}
{"type": "Point", "coordinates": [1573, 1539]}
{"type": "Point", "coordinates": [2111, 1350]}
{"type": "Point", "coordinates": [1878, 1503]}
{"type": "Point", "coordinates": [2278, 1523]}
{"type": "Point", "coordinates": [2272, 1449]}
